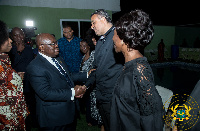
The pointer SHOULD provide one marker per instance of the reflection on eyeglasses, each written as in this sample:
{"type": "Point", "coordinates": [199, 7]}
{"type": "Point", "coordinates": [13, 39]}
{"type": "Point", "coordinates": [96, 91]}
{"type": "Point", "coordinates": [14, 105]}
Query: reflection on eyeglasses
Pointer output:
{"type": "Point", "coordinates": [52, 44]}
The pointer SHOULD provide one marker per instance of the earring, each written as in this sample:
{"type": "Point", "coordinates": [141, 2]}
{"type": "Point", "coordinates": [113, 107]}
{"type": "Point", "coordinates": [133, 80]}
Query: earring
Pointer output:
{"type": "Point", "coordinates": [122, 42]}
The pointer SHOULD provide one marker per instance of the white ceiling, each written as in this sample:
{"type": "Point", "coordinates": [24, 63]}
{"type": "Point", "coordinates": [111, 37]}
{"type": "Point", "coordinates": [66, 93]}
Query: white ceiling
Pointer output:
{"type": "Point", "coordinates": [112, 5]}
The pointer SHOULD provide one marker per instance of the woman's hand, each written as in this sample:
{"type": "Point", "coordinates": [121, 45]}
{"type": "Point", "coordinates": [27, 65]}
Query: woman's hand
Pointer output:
{"type": "Point", "coordinates": [21, 74]}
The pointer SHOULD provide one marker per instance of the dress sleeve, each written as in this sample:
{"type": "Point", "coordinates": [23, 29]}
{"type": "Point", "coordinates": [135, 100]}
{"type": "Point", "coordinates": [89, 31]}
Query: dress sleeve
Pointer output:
{"type": "Point", "coordinates": [145, 87]}
{"type": "Point", "coordinates": [91, 78]}
{"type": "Point", "coordinates": [149, 101]}
{"type": "Point", "coordinates": [91, 60]}
{"type": "Point", "coordinates": [146, 99]}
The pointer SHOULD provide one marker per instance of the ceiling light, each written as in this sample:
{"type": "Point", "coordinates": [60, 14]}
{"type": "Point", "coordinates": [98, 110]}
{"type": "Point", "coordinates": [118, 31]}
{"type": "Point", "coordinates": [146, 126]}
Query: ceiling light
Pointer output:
{"type": "Point", "coordinates": [29, 23]}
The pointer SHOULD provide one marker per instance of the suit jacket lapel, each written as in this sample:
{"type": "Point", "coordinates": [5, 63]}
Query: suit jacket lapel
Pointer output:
{"type": "Point", "coordinates": [51, 67]}
{"type": "Point", "coordinates": [62, 63]}
{"type": "Point", "coordinates": [48, 64]}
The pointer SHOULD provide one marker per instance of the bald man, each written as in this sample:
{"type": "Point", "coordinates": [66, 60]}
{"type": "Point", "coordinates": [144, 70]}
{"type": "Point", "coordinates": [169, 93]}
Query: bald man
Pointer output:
{"type": "Point", "coordinates": [54, 87]}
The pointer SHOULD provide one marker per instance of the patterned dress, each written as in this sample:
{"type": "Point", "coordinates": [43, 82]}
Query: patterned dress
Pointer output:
{"type": "Point", "coordinates": [85, 67]}
{"type": "Point", "coordinates": [13, 108]}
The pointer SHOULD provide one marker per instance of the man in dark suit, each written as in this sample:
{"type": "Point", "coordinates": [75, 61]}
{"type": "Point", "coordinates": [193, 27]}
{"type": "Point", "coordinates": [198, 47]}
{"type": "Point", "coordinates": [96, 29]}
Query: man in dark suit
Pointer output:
{"type": "Point", "coordinates": [54, 87]}
{"type": "Point", "coordinates": [108, 64]}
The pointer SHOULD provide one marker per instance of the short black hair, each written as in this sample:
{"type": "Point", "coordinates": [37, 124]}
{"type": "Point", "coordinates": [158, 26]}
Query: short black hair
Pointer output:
{"type": "Point", "coordinates": [91, 34]}
{"type": "Point", "coordinates": [66, 26]}
{"type": "Point", "coordinates": [4, 35]}
{"type": "Point", "coordinates": [135, 29]}
{"type": "Point", "coordinates": [102, 13]}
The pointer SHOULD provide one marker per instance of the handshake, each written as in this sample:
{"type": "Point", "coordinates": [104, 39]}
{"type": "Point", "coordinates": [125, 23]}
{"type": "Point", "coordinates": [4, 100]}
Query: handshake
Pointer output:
{"type": "Point", "coordinates": [79, 91]}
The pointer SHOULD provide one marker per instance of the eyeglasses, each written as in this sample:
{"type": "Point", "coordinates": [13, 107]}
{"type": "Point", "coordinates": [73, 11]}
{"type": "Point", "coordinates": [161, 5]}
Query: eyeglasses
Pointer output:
{"type": "Point", "coordinates": [52, 44]}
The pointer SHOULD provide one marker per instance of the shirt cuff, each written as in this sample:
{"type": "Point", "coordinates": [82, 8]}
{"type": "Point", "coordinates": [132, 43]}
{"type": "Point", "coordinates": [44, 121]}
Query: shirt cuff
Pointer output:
{"type": "Point", "coordinates": [73, 94]}
{"type": "Point", "coordinates": [86, 86]}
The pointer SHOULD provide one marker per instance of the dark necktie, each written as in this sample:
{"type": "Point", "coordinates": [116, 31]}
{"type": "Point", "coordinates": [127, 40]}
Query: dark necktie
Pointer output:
{"type": "Point", "coordinates": [62, 71]}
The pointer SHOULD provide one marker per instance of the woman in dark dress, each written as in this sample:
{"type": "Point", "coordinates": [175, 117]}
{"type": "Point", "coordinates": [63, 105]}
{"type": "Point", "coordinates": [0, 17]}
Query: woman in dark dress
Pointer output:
{"type": "Point", "coordinates": [136, 104]}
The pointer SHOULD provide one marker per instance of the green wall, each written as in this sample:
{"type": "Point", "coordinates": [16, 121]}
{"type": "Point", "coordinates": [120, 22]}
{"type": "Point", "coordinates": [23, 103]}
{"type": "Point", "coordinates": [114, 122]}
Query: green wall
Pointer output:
{"type": "Point", "coordinates": [167, 33]}
{"type": "Point", "coordinates": [188, 33]}
{"type": "Point", "coordinates": [47, 20]}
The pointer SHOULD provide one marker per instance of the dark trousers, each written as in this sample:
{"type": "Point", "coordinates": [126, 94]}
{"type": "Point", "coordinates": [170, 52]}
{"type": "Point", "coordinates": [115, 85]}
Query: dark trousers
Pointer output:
{"type": "Point", "coordinates": [31, 120]}
{"type": "Point", "coordinates": [68, 127]}
{"type": "Point", "coordinates": [104, 110]}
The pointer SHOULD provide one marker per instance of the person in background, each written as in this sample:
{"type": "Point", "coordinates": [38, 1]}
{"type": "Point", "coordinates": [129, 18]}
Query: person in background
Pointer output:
{"type": "Point", "coordinates": [161, 51]}
{"type": "Point", "coordinates": [32, 44]}
{"type": "Point", "coordinates": [56, 105]}
{"type": "Point", "coordinates": [107, 63]}
{"type": "Point", "coordinates": [86, 65]}
{"type": "Point", "coordinates": [21, 55]}
{"type": "Point", "coordinates": [91, 37]}
{"type": "Point", "coordinates": [70, 49]}
{"type": "Point", "coordinates": [13, 108]}
{"type": "Point", "coordinates": [136, 104]}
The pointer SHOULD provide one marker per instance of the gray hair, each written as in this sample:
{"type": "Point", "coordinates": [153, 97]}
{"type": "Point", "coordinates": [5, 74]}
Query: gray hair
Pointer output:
{"type": "Point", "coordinates": [102, 13]}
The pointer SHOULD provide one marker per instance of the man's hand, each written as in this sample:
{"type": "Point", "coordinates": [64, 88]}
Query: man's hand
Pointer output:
{"type": "Point", "coordinates": [79, 91]}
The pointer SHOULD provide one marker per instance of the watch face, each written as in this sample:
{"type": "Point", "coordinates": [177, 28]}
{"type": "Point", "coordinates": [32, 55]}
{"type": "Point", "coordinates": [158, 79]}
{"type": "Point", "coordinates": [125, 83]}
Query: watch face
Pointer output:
{"type": "Point", "coordinates": [183, 112]}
